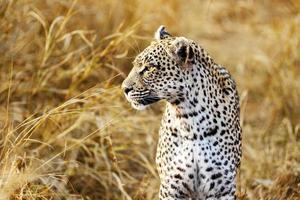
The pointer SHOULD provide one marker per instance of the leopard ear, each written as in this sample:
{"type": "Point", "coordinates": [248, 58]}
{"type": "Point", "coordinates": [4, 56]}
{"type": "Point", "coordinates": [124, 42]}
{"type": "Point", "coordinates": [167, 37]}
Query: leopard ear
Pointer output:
{"type": "Point", "coordinates": [182, 50]}
{"type": "Point", "coordinates": [161, 33]}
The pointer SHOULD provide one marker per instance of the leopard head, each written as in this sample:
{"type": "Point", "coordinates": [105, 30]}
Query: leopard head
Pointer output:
{"type": "Point", "coordinates": [159, 71]}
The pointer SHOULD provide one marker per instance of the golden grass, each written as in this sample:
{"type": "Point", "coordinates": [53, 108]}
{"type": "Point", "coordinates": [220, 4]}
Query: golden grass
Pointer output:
{"type": "Point", "coordinates": [68, 133]}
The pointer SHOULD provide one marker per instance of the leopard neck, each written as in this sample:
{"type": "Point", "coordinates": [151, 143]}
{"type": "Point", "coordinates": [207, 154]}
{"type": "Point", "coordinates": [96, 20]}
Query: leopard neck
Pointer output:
{"type": "Point", "coordinates": [201, 104]}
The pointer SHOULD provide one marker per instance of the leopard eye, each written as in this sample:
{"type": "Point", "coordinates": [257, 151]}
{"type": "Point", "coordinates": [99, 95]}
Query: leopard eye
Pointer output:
{"type": "Point", "coordinates": [147, 69]}
{"type": "Point", "coordinates": [143, 70]}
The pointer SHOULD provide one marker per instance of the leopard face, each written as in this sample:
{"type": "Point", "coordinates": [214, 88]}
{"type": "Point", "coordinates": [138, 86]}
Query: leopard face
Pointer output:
{"type": "Point", "coordinates": [158, 72]}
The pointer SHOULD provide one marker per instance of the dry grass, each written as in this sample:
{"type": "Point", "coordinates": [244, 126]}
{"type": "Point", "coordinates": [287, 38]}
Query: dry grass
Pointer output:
{"type": "Point", "coordinates": [68, 133]}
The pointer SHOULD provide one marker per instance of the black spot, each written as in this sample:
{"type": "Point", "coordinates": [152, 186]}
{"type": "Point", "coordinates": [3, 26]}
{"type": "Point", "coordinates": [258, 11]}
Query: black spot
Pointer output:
{"type": "Point", "coordinates": [195, 137]}
{"type": "Point", "coordinates": [216, 105]}
{"type": "Point", "coordinates": [180, 169]}
{"type": "Point", "coordinates": [178, 176]}
{"type": "Point", "coordinates": [173, 186]}
{"type": "Point", "coordinates": [222, 132]}
{"type": "Point", "coordinates": [222, 124]}
{"type": "Point", "coordinates": [187, 165]}
{"type": "Point", "coordinates": [212, 185]}
{"type": "Point", "coordinates": [211, 132]}
{"type": "Point", "coordinates": [209, 169]}
{"type": "Point", "coordinates": [216, 176]}
{"type": "Point", "coordinates": [182, 194]}
{"type": "Point", "coordinates": [225, 193]}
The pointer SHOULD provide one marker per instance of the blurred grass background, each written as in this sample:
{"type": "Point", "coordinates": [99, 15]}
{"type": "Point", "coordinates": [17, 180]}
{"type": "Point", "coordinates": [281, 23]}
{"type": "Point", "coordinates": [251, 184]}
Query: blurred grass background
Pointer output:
{"type": "Point", "coordinates": [67, 132]}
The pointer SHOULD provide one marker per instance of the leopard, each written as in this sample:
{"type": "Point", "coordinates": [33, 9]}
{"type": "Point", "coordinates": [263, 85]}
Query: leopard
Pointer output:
{"type": "Point", "coordinates": [199, 144]}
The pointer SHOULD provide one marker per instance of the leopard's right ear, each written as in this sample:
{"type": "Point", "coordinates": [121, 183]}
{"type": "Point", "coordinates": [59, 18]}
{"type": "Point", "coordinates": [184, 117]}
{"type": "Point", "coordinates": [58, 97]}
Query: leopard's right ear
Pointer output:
{"type": "Point", "coordinates": [161, 33]}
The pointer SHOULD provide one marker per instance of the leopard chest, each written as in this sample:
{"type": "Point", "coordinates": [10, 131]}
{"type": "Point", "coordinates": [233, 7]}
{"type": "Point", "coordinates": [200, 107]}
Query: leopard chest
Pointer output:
{"type": "Point", "coordinates": [189, 144]}
{"type": "Point", "coordinates": [176, 145]}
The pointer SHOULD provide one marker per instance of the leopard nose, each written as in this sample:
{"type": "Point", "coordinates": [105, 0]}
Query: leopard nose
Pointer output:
{"type": "Point", "coordinates": [127, 90]}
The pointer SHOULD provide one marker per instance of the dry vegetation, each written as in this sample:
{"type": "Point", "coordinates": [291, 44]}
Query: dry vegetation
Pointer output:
{"type": "Point", "coordinates": [68, 133]}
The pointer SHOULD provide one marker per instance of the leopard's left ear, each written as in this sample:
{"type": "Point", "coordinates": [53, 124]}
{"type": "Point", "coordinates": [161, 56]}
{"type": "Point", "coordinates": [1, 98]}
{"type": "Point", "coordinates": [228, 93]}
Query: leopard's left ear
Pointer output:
{"type": "Point", "coordinates": [181, 49]}
{"type": "Point", "coordinates": [161, 33]}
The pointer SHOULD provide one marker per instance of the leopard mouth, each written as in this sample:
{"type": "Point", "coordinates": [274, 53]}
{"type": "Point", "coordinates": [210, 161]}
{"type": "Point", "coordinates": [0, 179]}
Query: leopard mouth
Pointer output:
{"type": "Point", "coordinates": [141, 104]}
{"type": "Point", "coordinates": [148, 100]}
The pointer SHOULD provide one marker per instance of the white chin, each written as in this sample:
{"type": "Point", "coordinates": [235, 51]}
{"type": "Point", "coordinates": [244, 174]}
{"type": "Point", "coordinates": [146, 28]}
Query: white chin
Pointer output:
{"type": "Point", "coordinates": [138, 106]}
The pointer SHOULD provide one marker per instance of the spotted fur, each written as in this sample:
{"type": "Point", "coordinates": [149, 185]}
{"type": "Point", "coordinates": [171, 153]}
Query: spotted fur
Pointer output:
{"type": "Point", "coordinates": [199, 147]}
